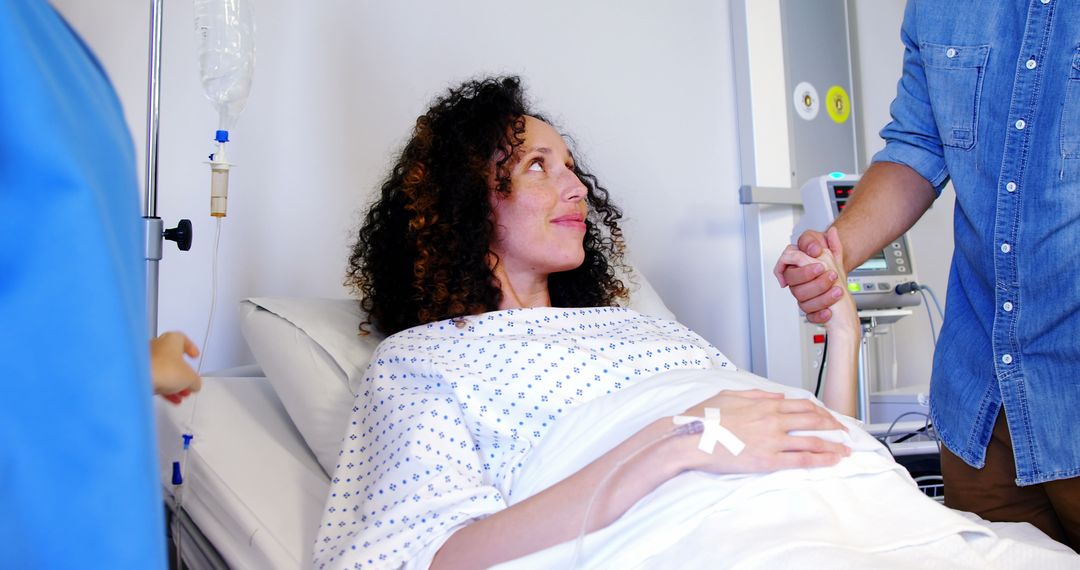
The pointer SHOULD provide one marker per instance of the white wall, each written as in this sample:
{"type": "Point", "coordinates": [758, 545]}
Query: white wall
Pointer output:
{"type": "Point", "coordinates": [644, 87]}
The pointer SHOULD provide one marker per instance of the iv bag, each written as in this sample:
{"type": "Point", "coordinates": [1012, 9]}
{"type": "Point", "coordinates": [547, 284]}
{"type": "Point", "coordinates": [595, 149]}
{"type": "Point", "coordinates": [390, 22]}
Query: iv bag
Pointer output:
{"type": "Point", "coordinates": [225, 35]}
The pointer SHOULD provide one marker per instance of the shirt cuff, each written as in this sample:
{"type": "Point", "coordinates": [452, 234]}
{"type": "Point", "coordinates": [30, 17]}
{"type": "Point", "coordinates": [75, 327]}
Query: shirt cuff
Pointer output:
{"type": "Point", "coordinates": [930, 166]}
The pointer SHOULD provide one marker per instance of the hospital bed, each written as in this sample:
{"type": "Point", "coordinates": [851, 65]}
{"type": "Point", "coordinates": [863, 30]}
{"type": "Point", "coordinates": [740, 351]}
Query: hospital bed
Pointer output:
{"type": "Point", "coordinates": [254, 489]}
{"type": "Point", "coordinates": [255, 477]}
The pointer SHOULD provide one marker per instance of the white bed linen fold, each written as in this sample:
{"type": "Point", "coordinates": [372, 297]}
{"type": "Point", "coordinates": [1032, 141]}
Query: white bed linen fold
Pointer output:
{"type": "Point", "coordinates": [864, 512]}
{"type": "Point", "coordinates": [251, 485]}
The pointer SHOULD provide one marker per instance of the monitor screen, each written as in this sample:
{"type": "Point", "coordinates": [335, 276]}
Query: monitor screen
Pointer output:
{"type": "Point", "coordinates": [875, 263]}
{"type": "Point", "coordinates": [841, 193]}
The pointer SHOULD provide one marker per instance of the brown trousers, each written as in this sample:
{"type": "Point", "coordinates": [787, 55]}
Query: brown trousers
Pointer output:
{"type": "Point", "coordinates": [992, 493]}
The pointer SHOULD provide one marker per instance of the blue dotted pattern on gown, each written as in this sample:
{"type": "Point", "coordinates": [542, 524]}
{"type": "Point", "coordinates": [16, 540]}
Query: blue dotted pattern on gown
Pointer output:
{"type": "Point", "coordinates": [447, 413]}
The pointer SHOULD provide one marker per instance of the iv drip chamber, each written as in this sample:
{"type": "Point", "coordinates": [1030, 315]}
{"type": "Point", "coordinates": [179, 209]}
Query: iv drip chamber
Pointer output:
{"type": "Point", "coordinates": [219, 177]}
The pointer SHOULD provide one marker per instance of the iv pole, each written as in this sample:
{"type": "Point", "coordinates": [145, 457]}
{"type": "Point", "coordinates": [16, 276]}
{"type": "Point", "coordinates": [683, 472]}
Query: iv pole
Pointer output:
{"type": "Point", "coordinates": [154, 227]}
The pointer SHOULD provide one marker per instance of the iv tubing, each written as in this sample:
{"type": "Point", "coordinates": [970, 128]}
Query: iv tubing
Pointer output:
{"type": "Point", "coordinates": [178, 489]}
{"type": "Point", "coordinates": [213, 298]}
{"type": "Point", "coordinates": [579, 543]}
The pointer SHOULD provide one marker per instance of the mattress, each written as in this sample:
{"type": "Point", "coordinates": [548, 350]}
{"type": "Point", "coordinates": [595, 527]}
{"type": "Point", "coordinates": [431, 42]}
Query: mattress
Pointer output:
{"type": "Point", "coordinates": [251, 485]}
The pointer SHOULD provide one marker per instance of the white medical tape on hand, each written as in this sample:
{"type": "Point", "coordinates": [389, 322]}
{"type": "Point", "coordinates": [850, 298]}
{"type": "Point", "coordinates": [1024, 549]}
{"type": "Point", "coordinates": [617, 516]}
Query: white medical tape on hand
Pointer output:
{"type": "Point", "coordinates": [713, 433]}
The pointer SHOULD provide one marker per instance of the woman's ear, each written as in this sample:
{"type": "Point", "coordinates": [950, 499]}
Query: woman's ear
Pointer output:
{"type": "Point", "coordinates": [497, 168]}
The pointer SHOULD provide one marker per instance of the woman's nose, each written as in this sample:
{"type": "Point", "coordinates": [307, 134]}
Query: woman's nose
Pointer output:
{"type": "Point", "coordinates": [574, 189]}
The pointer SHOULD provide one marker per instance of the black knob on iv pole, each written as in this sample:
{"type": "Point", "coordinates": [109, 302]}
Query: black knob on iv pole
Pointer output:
{"type": "Point", "coordinates": [181, 234]}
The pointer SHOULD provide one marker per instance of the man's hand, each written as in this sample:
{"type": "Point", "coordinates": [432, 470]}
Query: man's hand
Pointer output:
{"type": "Point", "coordinates": [173, 377]}
{"type": "Point", "coordinates": [813, 286]}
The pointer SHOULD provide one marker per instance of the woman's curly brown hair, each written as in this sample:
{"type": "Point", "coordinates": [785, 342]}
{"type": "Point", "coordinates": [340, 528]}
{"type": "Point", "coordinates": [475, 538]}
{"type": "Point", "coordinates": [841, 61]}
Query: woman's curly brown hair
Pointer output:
{"type": "Point", "coordinates": [423, 254]}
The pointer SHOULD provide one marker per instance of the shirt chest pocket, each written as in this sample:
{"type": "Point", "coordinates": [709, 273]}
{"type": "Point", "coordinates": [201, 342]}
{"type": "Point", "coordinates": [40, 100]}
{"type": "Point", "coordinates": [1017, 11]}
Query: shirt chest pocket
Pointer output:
{"type": "Point", "coordinates": [954, 78]}
{"type": "Point", "coordinates": [1070, 113]}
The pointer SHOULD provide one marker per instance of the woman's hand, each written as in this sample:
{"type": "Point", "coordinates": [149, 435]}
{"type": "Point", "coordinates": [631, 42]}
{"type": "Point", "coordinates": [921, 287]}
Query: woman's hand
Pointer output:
{"type": "Point", "coordinates": [763, 421]}
{"type": "Point", "coordinates": [838, 392]}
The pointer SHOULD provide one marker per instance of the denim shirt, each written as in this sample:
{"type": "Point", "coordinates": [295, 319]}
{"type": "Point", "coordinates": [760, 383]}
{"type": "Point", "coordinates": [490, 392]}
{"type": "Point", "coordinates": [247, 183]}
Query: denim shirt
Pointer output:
{"type": "Point", "coordinates": [990, 97]}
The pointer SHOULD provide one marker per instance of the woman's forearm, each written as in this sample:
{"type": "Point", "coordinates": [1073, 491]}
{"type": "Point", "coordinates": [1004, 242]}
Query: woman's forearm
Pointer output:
{"type": "Point", "coordinates": [839, 390]}
{"type": "Point", "coordinates": [845, 332]}
{"type": "Point", "coordinates": [555, 515]}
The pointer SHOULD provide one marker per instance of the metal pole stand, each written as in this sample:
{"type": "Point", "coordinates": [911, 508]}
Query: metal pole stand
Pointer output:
{"type": "Point", "coordinates": [870, 320]}
{"type": "Point", "coordinates": [152, 224]}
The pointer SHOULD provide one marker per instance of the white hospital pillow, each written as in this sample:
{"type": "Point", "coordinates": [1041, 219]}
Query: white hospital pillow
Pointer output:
{"type": "Point", "coordinates": [643, 298]}
{"type": "Point", "coordinates": [309, 349]}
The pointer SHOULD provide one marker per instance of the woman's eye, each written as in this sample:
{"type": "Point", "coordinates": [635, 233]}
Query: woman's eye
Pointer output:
{"type": "Point", "coordinates": [536, 166]}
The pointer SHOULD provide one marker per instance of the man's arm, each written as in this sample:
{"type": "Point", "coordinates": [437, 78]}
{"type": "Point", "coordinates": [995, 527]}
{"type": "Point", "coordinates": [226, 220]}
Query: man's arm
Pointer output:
{"type": "Point", "coordinates": [895, 191]}
{"type": "Point", "coordinates": [887, 201]}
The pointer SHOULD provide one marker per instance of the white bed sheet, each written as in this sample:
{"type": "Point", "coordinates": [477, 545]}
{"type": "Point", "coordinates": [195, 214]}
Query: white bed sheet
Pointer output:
{"type": "Point", "coordinates": [250, 484]}
{"type": "Point", "coordinates": [257, 492]}
{"type": "Point", "coordinates": [864, 512]}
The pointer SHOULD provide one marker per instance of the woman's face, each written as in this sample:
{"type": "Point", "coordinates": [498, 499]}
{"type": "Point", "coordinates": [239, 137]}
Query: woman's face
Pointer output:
{"type": "Point", "coordinates": [540, 225]}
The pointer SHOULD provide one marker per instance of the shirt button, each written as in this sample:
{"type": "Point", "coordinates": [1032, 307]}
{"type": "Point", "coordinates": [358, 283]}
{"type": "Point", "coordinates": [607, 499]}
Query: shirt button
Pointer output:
{"type": "Point", "coordinates": [1021, 124]}
{"type": "Point", "coordinates": [1011, 187]}
{"type": "Point", "coordinates": [1007, 306]}
{"type": "Point", "coordinates": [951, 52]}
{"type": "Point", "coordinates": [1005, 248]}
{"type": "Point", "coordinates": [1045, 1]}
{"type": "Point", "coordinates": [1031, 64]}
{"type": "Point", "coordinates": [1006, 358]}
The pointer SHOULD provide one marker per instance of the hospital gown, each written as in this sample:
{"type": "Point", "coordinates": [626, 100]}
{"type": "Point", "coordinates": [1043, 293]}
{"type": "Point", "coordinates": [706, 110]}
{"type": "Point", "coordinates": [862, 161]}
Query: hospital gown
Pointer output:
{"type": "Point", "coordinates": [448, 413]}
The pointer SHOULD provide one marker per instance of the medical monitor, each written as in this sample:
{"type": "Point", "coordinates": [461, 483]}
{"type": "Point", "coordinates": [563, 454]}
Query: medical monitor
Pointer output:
{"type": "Point", "coordinates": [872, 284]}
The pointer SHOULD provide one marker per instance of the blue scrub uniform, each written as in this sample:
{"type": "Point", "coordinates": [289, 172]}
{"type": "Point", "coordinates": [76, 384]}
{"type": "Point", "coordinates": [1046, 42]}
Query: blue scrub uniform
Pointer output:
{"type": "Point", "coordinates": [78, 481]}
